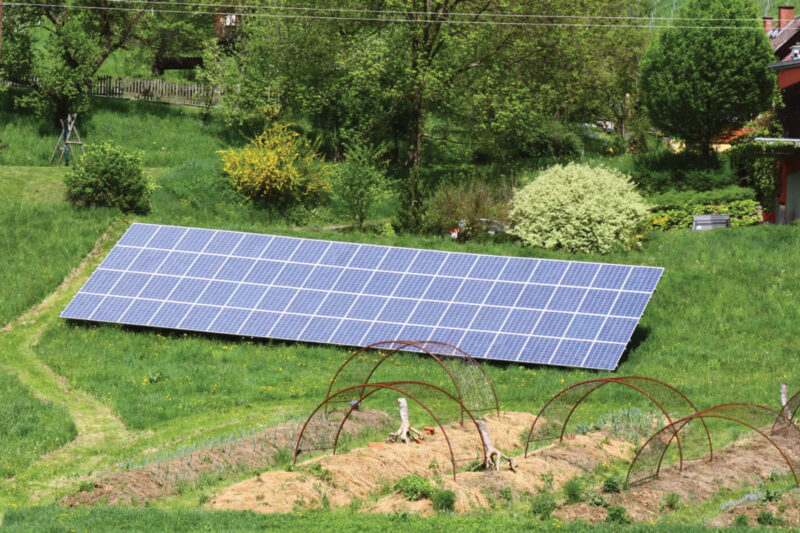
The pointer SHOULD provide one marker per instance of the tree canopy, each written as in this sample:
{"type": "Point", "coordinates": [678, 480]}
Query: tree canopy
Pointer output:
{"type": "Point", "coordinates": [699, 82]}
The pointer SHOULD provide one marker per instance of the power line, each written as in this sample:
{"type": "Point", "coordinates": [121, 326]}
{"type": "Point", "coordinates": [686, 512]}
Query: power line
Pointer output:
{"type": "Point", "coordinates": [382, 20]}
{"type": "Point", "coordinates": [441, 14]}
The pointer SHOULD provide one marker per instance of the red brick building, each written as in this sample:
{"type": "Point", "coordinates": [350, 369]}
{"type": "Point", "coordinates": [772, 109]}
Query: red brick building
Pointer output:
{"type": "Point", "coordinates": [785, 41]}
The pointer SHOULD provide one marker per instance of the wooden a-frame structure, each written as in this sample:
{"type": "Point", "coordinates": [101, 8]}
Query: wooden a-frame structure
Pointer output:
{"type": "Point", "coordinates": [64, 143]}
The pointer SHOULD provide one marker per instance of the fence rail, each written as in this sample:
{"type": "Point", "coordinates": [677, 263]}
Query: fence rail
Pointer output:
{"type": "Point", "coordinates": [155, 90]}
{"type": "Point", "coordinates": [171, 92]}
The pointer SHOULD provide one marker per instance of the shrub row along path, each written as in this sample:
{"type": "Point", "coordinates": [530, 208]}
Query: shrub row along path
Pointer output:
{"type": "Point", "coordinates": [97, 426]}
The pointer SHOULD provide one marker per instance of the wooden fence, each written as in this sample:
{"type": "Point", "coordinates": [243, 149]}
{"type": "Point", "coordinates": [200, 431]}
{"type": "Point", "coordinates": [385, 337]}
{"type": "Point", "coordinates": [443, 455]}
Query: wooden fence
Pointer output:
{"type": "Point", "coordinates": [170, 92]}
{"type": "Point", "coordinates": [156, 91]}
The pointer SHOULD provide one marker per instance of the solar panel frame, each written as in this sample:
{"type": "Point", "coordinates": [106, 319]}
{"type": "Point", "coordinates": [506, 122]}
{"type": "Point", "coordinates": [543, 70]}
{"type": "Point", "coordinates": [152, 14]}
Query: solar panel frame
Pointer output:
{"type": "Point", "coordinates": [553, 312]}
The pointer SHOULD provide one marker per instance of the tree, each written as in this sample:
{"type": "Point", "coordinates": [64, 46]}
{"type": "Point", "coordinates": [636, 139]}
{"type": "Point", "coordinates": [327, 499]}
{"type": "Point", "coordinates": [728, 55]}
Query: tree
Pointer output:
{"type": "Point", "coordinates": [361, 182]}
{"type": "Point", "coordinates": [57, 51]}
{"type": "Point", "coordinates": [700, 82]}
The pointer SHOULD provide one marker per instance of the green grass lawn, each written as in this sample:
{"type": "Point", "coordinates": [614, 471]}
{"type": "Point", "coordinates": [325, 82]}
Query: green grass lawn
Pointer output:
{"type": "Point", "coordinates": [42, 243]}
{"type": "Point", "coordinates": [168, 135]}
{"type": "Point", "coordinates": [721, 327]}
{"type": "Point", "coordinates": [151, 520]}
{"type": "Point", "coordinates": [30, 427]}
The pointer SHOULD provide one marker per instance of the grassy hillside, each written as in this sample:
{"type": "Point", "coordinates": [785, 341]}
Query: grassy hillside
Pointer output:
{"type": "Point", "coordinates": [168, 135]}
{"type": "Point", "coordinates": [30, 427]}
{"type": "Point", "coordinates": [38, 256]}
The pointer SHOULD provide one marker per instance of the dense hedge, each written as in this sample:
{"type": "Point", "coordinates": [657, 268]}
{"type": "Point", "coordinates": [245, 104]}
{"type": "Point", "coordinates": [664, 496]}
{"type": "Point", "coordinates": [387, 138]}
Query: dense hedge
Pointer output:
{"type": "Point", "coordinates": [742, 212]}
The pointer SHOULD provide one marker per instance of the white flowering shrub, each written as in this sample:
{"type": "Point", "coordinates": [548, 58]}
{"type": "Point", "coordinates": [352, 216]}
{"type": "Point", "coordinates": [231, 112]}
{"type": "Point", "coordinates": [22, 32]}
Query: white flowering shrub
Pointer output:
{"type": "Point", "coordinates": [579, 209]}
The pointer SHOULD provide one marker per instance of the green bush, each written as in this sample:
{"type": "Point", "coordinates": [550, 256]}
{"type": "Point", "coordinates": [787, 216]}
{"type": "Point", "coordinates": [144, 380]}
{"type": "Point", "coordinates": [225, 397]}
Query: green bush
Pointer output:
{"type": "Point", "coordinates": [414, 487]}
{"type": "Point", "coordinates": [768, 518]}
{"type": "Point", "coordinates": [109, 176]}
{"type": "Point", "coordinates": [742, 212]}
{"type": "Point", "coordinates": [473, 208]}
{"type": "Point", "coordinates": [360, 182]}
{"type": "Point", "coordinates": [579, 209]}
{"type": "Point", "coordinates": [612, 485]}
{"type": "Point", "coordinates": [662, 170]}
{"type": "Point", "coordinates": [672, 500]}
{"type": "Point", "coordinates": [443, 501]}
{"type": "Point", "coordinates": [618, 515]}
{"type": "Point", "coordinates": [741, 520]}
{"type": "Point", "coordinates": [573, 490]}
{"type": "Point", "coordinates": [543, 504]}
{"type": "Point", "coordinates": [673, 199]}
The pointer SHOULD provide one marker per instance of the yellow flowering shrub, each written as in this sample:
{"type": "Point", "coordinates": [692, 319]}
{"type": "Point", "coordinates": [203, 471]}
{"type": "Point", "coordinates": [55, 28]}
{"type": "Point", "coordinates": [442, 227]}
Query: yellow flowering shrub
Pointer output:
{"type": "Point", "coordinates": [276, 166]}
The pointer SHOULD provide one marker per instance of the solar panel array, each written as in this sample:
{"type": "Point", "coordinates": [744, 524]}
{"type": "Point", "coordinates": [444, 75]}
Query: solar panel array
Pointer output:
{"type": "Point", "coordinates": [564, 313]}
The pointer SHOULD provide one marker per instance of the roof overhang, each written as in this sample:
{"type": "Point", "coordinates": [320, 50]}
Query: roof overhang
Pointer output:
{"type": "Point", "coordinates": [788, 72]}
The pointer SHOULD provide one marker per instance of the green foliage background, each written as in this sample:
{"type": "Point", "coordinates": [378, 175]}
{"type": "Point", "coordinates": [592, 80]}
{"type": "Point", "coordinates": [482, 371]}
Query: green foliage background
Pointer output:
{"type": "Point", "coordinates": [697, 83]}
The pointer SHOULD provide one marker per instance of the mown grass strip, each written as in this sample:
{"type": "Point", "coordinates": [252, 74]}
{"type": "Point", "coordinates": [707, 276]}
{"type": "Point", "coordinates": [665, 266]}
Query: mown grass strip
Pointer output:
{"type": "Point", "coordinates": [151, 520]}
{"type": "Point", "coordinates": [30, 427]}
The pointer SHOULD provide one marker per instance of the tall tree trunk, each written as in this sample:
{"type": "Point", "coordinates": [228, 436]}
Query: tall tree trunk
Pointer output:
{"type": "Point", "coordinates": [417, 106]}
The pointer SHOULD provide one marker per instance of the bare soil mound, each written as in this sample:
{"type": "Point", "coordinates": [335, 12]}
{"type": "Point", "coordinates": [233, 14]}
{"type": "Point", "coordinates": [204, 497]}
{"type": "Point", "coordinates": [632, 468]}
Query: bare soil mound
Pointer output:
{"type": "Point", "coordinates": [163, 478]}
{"type": "Point", "coordinates": [369, 473]}
{"type": "Point", "coordinates": [745, 462]}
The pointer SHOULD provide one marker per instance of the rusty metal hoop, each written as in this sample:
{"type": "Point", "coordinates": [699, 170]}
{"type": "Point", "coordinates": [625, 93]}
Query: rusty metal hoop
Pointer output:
{"type": "Point", "coordinates": [394, 386]}
{"type": "Point", "coordinates": [792, 406]}
{"type": "Point", "coordinates": [395, 346]}
{"type": "Point", "coordinates": [675, 427]}
{"type": "Point", "coordinates": [594, 384]}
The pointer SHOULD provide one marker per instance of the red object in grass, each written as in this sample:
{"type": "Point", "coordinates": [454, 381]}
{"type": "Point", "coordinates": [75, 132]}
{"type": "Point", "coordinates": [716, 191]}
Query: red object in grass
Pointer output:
{"type": "Point", "coordinates": [376, 445]}
{"type": "Point", "coordinates": [428, 430]}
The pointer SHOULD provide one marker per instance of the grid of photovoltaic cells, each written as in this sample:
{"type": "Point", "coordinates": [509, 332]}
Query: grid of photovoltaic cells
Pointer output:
{"type": "Point", "coordinates": [564, 313]}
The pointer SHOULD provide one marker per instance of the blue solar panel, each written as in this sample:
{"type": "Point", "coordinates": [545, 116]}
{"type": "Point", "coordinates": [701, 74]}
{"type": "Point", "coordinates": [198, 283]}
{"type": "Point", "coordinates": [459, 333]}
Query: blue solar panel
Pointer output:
{"type": "Point", "coordinates": [505, 308]}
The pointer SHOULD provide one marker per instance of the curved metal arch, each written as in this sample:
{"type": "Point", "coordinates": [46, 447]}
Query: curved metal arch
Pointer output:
{"type": "Point", "coordinates": [395, 346]}
{"type": "Point", "coordinates": [678, 425]}
{"type": "Point", "coordinates": [394, 386]}
{"type": "Point", "coordinates": [594, 384]}
{"type": "Point", "coordinates": [792, 405]}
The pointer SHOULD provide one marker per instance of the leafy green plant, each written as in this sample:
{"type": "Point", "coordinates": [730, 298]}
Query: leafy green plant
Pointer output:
{"type": "Point", "coordinates": [672, 501]}
{"type": "Point", "coordinates": [471, 208]}
{"type": "Point", "coordinates": [573, 490]}
{"type": "Point", "coordinates": [612, 485]}
{"type": "Point", "coordinates": [741, 520]}
{"type": "Point", "coordinates": [543, 504]}
{"type": "Point", "coordinates": [618, 515]}
{"type": "Point", "coordinates": [360, 182]}
{"type": "Point", "coordinates": [414, 487]}
{"type": "Point", "coordinates": [110, 176]}
{"type": "Point", "coordinates": [596, 500]}
{"type": "Point", "coordinates": [443, 500]}
{"type": "Point", "coordinates": [768, 518]}
{"type": "Point", "coordinates": [277, 166]}
{"type": "Point", "coordinates": [579, 209]}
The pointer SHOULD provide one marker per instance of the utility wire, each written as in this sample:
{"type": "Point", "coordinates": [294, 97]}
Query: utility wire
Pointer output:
{"type": "Point", "coordinates": [442, 14]}
{"type": "Point", "coordinates": [381, 20]}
